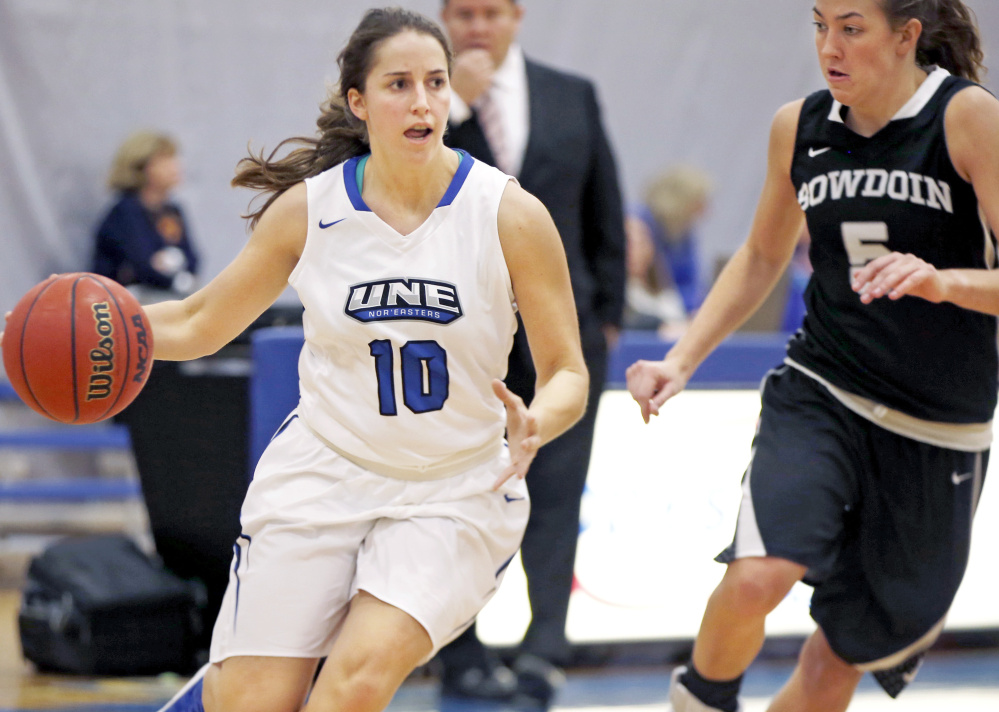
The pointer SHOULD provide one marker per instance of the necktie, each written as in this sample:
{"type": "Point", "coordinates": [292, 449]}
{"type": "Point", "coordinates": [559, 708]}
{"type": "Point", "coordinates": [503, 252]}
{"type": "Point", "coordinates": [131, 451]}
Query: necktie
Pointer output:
{"type": "Point", "coordinates": [491, 121]}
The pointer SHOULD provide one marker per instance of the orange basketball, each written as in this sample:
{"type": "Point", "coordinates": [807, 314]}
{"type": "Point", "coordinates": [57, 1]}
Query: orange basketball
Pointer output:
{"type": "Point", "coordinates": [77, 348]}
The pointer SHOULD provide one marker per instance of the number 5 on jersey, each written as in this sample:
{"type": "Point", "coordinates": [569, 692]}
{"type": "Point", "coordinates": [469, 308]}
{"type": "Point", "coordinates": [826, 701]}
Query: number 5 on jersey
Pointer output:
{"type": "Point", "coordinates": [425, 379]}
{"type": "Point", "coordinates": [864, 242]}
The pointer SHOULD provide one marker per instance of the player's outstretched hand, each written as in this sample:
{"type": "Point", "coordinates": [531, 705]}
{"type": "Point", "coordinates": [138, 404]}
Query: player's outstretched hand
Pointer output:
{"type": "Point", "coordinates": [897, 275]}
{"type": "Point", "coordinates": [521, 433]}
{"type": "Point", "coordinates": [652, 383]}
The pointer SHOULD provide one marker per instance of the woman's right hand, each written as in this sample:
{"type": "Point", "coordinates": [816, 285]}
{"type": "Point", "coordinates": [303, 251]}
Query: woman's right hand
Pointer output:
{"type": "Point", "coordinates": [521, 434]}
{"type": "Point", "coordinates": [652, 383]}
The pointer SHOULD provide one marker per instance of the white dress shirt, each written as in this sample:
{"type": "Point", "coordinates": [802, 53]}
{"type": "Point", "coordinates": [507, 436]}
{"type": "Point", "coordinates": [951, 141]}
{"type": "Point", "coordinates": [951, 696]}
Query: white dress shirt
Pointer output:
{"type": "Point", "coordinates": [509, 91]}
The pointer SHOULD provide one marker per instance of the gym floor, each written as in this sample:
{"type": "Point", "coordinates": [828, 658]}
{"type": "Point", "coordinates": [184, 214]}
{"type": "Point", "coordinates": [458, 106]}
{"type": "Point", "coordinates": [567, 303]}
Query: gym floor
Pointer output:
{"type": "Point", "coordinates": [953, 678]}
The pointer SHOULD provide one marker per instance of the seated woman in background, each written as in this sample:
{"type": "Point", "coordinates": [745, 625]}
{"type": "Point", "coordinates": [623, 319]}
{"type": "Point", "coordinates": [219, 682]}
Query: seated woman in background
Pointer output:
{"type": "Point", "coordinates": [674, 202]}
{"type": "Point", "coordinates": [143, 242]}
{"type": "Point", "coordinates": [652, 301]}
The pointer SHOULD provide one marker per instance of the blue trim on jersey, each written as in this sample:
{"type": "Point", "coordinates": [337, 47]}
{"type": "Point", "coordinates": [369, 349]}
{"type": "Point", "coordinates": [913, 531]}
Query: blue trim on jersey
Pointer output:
{"type": "Point", "coordinates": [350, 183]}
{"type": "Point", "coordinates": [464, 166]}
{"type": "Point", "coordinates": [359, 173]}
{"type": "Point", "coordinates": [284, 425]}
{"type": "Point", "coordinates": [353, 179]}
{"type": "Point", "coordinates": [502, 568]}
{"type": "Point", "coordinates": [235, 570]}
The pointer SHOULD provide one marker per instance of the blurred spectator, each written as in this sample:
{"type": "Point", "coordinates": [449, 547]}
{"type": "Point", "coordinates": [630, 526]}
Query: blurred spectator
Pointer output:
{"type": "Point", "coordinates": [652, 300]}
{"type": "Point", "coordinates": [545, 127]}
{"type": "Point", "coordinates": [674, 202]}
{"type": "Point", "coordinates": [143, 241]}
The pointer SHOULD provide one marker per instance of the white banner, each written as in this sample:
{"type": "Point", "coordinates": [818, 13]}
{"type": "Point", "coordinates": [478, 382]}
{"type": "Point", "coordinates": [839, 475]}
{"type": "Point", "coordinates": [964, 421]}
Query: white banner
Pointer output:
{"type": "Point", "coordinates": [661, 501]}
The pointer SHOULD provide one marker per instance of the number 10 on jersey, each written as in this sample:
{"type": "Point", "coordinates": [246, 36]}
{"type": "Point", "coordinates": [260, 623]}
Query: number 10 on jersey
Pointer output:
{"type": "Point", "coordinates": [425, 380]}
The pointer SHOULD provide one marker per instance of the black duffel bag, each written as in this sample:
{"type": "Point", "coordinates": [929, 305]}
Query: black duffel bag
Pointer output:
{"type": "Point", "coordinates": [100, 606]}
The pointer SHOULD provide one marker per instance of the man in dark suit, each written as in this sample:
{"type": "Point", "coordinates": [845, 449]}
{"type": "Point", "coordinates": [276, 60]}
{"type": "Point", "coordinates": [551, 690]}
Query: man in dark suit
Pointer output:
{"type": "Point", "coordinates": [544, 127]}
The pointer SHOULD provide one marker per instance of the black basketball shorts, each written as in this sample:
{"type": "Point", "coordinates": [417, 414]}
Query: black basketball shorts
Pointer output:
{"type": "Point", "coordinates": [881, 521]}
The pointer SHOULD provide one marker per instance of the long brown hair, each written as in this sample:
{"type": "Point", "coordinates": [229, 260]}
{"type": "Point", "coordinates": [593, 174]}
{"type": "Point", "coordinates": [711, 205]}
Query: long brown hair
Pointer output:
{"type": "Point", "coordinates": [341, 135]}
{"type": "Point", "coordinates": [950, 36]}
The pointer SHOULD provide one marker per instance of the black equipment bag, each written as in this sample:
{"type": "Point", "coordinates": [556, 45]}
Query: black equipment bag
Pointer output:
{"type": "Point", "coordinates": [100, 606]}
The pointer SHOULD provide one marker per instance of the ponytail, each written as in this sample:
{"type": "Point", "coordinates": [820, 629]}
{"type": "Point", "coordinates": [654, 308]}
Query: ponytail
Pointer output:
{"type": "Point", "coordinates": [341, 136]}
{"type": "Point", "coordinates": [950, 36]}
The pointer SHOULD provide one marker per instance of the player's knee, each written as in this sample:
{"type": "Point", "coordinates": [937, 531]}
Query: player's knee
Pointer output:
{"type": "Point", "coordinates": [365, 682]}
{"type": "Point", "coordinates": [823, 670]}
{"type": "Point", "coordinates": [363, 692]}
{"type": "Point", "coordinates": [755, 598]}
{"type": "Point", "coordinates": [222, 696]}
{"type": "Point", "coordinates": [757, 586]}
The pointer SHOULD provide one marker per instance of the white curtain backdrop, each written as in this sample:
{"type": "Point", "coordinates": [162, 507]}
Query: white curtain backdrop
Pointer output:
{"type": "Point", "coordinates": [680, 80]}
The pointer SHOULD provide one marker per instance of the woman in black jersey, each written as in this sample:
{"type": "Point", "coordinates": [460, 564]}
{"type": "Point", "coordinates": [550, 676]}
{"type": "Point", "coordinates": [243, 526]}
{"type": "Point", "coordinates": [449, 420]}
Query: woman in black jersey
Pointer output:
{"type": "Point", "coordinates": [874, 434]}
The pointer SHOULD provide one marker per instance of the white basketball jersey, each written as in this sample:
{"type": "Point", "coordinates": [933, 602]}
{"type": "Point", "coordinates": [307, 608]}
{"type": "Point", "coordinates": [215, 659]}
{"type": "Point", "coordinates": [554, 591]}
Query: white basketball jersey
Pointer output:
{"type": "Point", "coordinates": [405, 333]}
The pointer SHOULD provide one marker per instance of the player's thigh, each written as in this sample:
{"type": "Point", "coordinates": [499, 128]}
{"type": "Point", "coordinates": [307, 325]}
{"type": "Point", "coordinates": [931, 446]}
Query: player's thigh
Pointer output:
{"type": "Point", "coordinates": [800, 486]}
{"type": "Point", "coordinates": [443, 562]}
{"type": "Point", "coordinates": [294, 563]}
{"type": "Point", "coordinates": [378, 646]}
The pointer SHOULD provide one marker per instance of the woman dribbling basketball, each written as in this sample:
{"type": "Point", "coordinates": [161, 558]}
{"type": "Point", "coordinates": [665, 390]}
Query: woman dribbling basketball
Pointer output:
{"type": "Point", "coordinates": [382, 515]}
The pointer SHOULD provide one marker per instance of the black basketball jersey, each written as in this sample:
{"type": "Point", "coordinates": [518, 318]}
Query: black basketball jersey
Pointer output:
{"type": "Point", "coordinates": [894, 192]}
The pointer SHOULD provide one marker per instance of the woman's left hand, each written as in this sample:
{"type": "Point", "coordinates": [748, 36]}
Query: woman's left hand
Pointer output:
{"type": "Point", "coordinates": [521, 434]}
{"type": "Point", "coordinates": [897, 275]}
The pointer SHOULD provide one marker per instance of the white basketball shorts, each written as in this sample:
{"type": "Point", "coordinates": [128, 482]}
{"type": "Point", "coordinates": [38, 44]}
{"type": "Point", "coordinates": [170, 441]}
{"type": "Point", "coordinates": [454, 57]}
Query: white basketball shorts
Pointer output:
{"type": "Point", "coordinates": [317, 528]}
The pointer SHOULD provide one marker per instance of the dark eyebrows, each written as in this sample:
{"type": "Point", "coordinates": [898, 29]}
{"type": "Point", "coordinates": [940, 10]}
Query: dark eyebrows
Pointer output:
{"type": "Point", "coordinates": [405, 73]}
{"type": "Point", "coordinates": [845, 16]}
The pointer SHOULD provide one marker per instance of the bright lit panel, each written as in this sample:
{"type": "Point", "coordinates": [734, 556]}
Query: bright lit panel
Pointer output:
{"type": "Point", "coordinates": [661, 501]}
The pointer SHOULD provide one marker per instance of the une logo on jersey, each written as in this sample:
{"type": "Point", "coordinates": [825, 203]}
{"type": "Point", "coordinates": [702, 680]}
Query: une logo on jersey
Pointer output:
{"type": "Point", "coordinates": [411, 299]}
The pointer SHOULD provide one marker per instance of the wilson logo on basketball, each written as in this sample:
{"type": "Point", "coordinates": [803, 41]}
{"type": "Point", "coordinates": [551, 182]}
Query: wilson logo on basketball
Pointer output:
{"type": "Point", "coordinates": [102, 357]}
{"type": "Point", "coordinates": [140, 336]}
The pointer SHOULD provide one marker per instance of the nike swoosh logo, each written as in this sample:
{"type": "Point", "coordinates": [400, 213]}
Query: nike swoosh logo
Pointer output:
{"type": "Point", "coordinates": [958, 479]}
{"type": "Point", "coordinates": [508, 498]}
{"type": "Point", "coordinates": [813, 152]}
{"type": "Point", "coordinates": [326, 225]}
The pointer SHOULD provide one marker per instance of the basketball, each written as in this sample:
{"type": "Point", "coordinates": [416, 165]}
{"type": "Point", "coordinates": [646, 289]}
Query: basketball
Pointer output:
{"type": "Point", "coordinates": [77, 348]}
